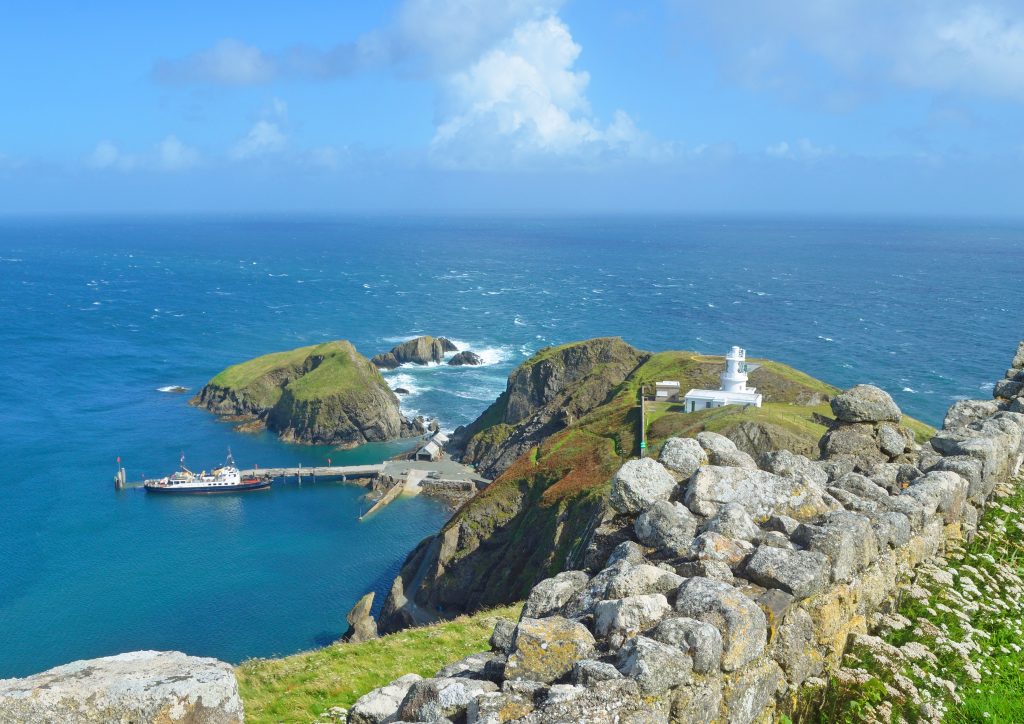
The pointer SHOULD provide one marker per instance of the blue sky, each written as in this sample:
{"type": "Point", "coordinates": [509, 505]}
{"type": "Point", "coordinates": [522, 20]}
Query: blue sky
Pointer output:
{"type": "Point", "coordinates": [749, 106]}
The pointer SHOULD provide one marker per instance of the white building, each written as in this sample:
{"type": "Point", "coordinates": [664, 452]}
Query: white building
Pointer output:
{"type": "Point", "coordinates": [666, 391]}
{"type": "Point", "coordinates": [734, 390]}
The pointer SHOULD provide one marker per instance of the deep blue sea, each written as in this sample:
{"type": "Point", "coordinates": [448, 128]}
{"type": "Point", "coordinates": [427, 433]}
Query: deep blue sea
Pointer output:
{"type": "Point", "coordinates": [97, 314]}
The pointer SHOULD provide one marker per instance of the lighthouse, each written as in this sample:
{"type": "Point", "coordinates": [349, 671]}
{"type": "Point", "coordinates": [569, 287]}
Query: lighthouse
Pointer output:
{"type": "Point", "coordinates": [734, 389]}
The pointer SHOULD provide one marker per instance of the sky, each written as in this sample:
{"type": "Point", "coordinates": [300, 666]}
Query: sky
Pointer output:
{"type": "Point", "coordinates": [845, 107]}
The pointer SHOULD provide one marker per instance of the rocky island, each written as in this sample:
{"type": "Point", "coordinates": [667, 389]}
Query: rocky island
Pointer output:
{"type": "Point", "coordinates": [326, 394]}
{"type": "Point", "coordinates": [420, 351]}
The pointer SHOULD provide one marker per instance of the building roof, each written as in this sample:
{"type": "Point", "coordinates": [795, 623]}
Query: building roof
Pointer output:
{"type": "Point", "coordinates": [667, 383]}
{"type": "Point", "coordinates": [750, 395]}
{"type": "Point", "coordinates": [431, 448]}
{"type": "Point", "coordinates": [440, 438]}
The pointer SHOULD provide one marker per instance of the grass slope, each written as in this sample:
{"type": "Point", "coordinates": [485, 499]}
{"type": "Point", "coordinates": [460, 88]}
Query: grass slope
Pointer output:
{"type": "Point", "coordinates": [299, 688]}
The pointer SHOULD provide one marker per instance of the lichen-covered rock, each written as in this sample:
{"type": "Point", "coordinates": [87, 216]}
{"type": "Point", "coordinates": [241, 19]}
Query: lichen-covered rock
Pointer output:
{"type": "Point", "coordinates": [942, 491]}
{"type": "Point", "coordinates": [656, 667]}
{"type": "Point", "coordinates": [682, 456]}
{"type": "Point", "coordinates": [893, 440]}
{"type": "Point", "coordinates": [963, 412]}
{"type": "Point", "coordinates": [150, 686]}
{"type": "Point", "coordinates": [723, 451]}
{"type": "Point", "coordinates": [667, 527]}
{"type": "Point", "coordinates": [846, 538]}
{"type": "Point", "coordinates": [716, 547]}
{"type": "Point", "coordinates": [791, 465]}
{"type": "Point", "coordinates": [615, 701]}
{"type": "Point", "coordinates": [622, 618]}
{"type": "Point", "coordinates": [698, 702]}
{"type": "Point", "coordinates": [761, 494]}
{"type": "Point", "coordinates": [429, 700]}
{"type": "Point", "coordinates": [628, 551]}
{"type": "Point", "coordinates": [551, 594]}
{"type": "Point", "coordinates": [853, 442]}
{"type": "Point", "coordinates": [700, 640]}
{"type": "Point", "coordinates": [865, 403]}
{"type": "Point", "coordinates": [794, 649]}
{"type": "Point", "coordinates": [546, 649]}
{"type": "Point", "coordinates": [590, 671]}
{"type": "Point", "coordinates": [750, 692]}
{"type": "Point", "coordinates": [802, 573]}
{"type": "Point", "coordinates": [640, 580]}
{"type": "Point", "coordinates": [484, 665]}
{"type": "Point", "coordinates": [503, 636]}
{"type": "Point", "coordinates": [733, 521]}
{"type": "Point", "coordinates": [640, 483]}
{"type": "Point", "coordinates": [740, 621]}
{"type": "Point", "coordinates": [381, 705]}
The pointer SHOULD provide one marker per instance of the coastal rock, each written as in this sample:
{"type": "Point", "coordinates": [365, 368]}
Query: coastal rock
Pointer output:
{"type": "Point", "coordinates": [801, 573]}
{"type": "Point", "coordinates": [420, 351]}
{"type": "Point", "coordinates": [641, 579]}
{"type": "Point", "coordinates": [614, 701]}
{"type": "Point", "coordinates": [667, 527]}
{"type": "Point", "coordinates": [546, 649]}
{"type": "Point", "coordinates": [466, 358]}
{"type": "Point", "coordinates": [381, 705]}
{"type": "Point", "coordinates": [741, 622]}
{"type": "Point", "coordinates": [854, 442]}
{"type": "Point", "coordinates": [865, 403]}
{"type": "Point", "coordinates": [654, 666]}
{"type": "Point", "coordinates": [429, 700]}
{"type": "Point", "coordinates": [710, 546]}
{"type": "Point", "coordinates": [682, 456]}
{"type": "Point", "coordinates": [638, 484]}
{"type": "Point", "coordinates": [845, 538]}
{"type": "Point", "coordinates": [551, 594]}
{"type": "Point", "coordinates": [700, 640]}
{"type": "Point", "coordinates": [733, 521]}
{"type": "Point", "coordinates": [791, 465]}
{"type": "Point", "coordinates": [164, 686]}
{"type": "Point", "coordinates": [723, 451]}
{"type": "Point", "coordinates": [591, 671]}
{"type": "Point", "coordinates": [361, 625]}
{"type": "Point", "coordinates": [761, 494]}
{"type": "Point", "coordinates": [326, 394]}
{"type": "Point", "coordinates": [963, 412]}
{"type": "Point", "coordinates": [619, 619]}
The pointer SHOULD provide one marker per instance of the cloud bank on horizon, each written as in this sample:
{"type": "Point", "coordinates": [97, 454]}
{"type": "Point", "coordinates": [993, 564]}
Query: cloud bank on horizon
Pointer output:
{"type": "Point", "coordinates": [719, 99]}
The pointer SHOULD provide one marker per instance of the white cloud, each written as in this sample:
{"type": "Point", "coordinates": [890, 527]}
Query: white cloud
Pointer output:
{"type": "Point", "coordinates": [229, 62]}
{"type": "Point", "coordinates": [107, 155]}
{"type": "Point", "coordinates": [940, 45]}
{"type": "Point", "coordinates": [173, 155]}
{"type": "Point", "coordinates": [801, 150]}
{"type": "Point", "coordinates": [264, 138]}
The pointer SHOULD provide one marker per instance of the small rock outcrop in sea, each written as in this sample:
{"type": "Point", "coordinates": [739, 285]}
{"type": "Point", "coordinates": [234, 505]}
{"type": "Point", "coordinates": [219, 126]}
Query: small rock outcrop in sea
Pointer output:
{"type": "Point", "coordinates": [734, 591]}
{"type": "Point", "coordinates": [361, 625]}
{"type": "Point", "coordinates": [420, 351]}
{"type": "Point", "coordinates": [327, 394]}
{"type": "Point", "coordinates": [142, 686]}
{"type": "Point", "coordinates": [466, 358]}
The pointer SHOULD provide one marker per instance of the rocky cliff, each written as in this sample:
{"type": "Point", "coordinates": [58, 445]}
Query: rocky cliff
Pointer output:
{"type": "Point", "coordinates": [420, 351]}
{"type": "Point", "coordinates": [735, 589]}
{"type": "Point", "coordinates": [554, 469]}
{"type": "Point", "coordinates": [324, 394]}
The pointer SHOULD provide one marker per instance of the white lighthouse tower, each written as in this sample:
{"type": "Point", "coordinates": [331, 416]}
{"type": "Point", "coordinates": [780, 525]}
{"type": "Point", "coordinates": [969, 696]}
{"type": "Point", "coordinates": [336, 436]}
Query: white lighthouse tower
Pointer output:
{"type": "Point", "coordinates": [734, 390]}
{"type": "Point", "coordinates": [734, 378]}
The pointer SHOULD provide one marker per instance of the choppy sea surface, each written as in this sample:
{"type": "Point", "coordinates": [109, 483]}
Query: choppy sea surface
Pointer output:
{"type": "Point", "coordinates": [97, 314]}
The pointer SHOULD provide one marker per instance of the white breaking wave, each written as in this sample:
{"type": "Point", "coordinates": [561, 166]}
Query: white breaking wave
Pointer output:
{"type": "Point", "coordinates": [489, 355]}
{"type": "Point", "coordinates": [405, 381]}
{"type": "Point", "coordinates": [172, 388]}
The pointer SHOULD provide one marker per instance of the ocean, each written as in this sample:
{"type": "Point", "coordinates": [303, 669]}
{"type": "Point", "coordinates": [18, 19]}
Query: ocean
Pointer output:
{"type": "Point", "coordinates": [98, 314]}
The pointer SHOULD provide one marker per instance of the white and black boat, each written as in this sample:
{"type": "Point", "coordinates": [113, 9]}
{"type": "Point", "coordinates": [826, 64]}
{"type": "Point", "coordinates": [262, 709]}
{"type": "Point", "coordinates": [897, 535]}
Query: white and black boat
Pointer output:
{"type": "Point", "coordinates": [223, 479]}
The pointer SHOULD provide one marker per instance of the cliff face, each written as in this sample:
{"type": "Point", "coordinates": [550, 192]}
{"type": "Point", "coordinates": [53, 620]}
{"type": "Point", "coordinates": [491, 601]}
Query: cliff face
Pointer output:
{"type": "Point", "coordinates": [325, 394]}
{"type": "Point", "coordinates": [545, 394]}
{"type": "Point", "coordinates": [420, 351]}
{"type": "Point", "coordinates": [545, 512]}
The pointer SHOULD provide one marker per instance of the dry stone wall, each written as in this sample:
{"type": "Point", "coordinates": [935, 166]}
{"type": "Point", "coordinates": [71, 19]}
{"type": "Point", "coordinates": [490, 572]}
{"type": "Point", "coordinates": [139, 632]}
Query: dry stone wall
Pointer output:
{"type": "Point", "coordinates": [717, 586]}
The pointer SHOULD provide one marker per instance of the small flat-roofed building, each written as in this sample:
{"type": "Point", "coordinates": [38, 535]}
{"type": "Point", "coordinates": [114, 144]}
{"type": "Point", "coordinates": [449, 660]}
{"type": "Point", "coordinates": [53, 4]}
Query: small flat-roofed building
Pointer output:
{"type": "Point", "coordinates": [734, 389]}
{"type": "Point", "coordinates": [667, 391]}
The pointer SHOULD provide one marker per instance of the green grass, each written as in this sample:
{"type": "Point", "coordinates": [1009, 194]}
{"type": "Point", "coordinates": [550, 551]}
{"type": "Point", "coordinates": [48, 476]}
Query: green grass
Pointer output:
{"type": "Point", "coordinates": [973, 626]}
{"type": "Point", "coordinates": [246, 373]}
{"type": "Point", "coordinates": [299, 688]}
{"type": "Point", "coordinates": [341, 369]}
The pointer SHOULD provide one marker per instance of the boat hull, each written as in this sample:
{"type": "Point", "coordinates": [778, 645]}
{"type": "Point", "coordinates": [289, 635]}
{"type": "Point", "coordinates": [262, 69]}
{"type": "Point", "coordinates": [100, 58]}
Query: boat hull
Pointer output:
{"type": "Point", "coordinates": [207, 489]}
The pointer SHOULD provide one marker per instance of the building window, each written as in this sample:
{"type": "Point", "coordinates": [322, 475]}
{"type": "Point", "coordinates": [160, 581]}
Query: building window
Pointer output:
{"type": "Point", "coordinates": [707, 405]}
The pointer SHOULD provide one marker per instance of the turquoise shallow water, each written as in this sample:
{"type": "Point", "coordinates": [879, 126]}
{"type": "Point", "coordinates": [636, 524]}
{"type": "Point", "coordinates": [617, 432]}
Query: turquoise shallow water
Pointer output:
{"type": "Point", "coordinates": [96, 314]}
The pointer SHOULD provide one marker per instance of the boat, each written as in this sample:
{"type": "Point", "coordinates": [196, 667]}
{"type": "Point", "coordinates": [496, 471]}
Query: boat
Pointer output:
{"type": "Point", "coordinates": [223, 479]}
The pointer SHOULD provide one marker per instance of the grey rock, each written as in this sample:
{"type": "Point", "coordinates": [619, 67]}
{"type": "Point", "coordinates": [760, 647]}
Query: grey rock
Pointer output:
{"type": "Point", "coordinates": [1018, 358]}
{"type": "Point", "coordinates": [865, 403]}
{"type": "Point", "coordinates": [628, 551]}
{"type": "Point", "coordinates": [751, 693]}
{"type": "Point", "coordinates": [794, 649]}
{"type": "Point", "coordinates": [545, 649]}
{"type": "Point", "coordinates": [775, 539]}
{"type": "Point", "coordinates": [1007, 389]}
{"type": "Point", "coordinates": [683, 456]}
{"type": "Point", "coordinates": [862, 486]}
{"type": "Point", "coordinates": [638, 484]}
{"type": "Point", "coordinates": [964, 412]}
{"type": "Point", "coordinates": [717, 547]}
{"type": "Point", "coordinates": [891, 441]}
{"type": "Point", "coordinates": [361, 624]}
{"type": "Point", "coordinates": [583, 602]}
{"type": "Point", "coordinates": [716, 570]}
{"type": "Point", "coordinates": [165, 686]}
{"type": "Point", "coordinates": [854, 442]}
{"type": "Point", "coordinates": [641, 580]}
{"type": "Point", "coordinates": [551, 594]}
{"type": "Point", "coordinates": [846, 538]}
{"type": "Point", "coordinates": [667, 527]}
{"type": "Point", "coordinates": [791, 465]}
{"type": "Point", "coordinates": [761, 494]}
{"type": "Point", "coordinates": [698, 702]}
{"type": "Point", "coordinates": [656, 667]}
{"type": "Point", "coordinates": [622, 618]}
{"type": "Point", "coordinates": [939, 491]}
{"type": "Point", "coordinates": [783, 524]}
{"type": "Point", "coordinates": [615, 701]}
{"type": "Point", "coordinates": [741, 622]}
{"type": "Point", "coordinates": [733, 521]}
{"type": "Point", "coordinates": [475, 666]}
{"type": "Point", "coordinates": [380, 706]}
{"type": "Point", "coordinates": [972, 470]}
{"type": "Point", "coordinates": [891, 530]}
{"type": "Point", "coordinates": [503, 636]}
{"type": "Point", "coordinates": [801, 573]}
{"type": "Point", "coordinates": [465, 358]}
{"type": "Point", "coordinates": [715, 444]}
{"type": "Point", "coordinates": [700, 640]}
{"type": "Point", "coordinates": [590, 671]}
{"type": "Point", "coordinates": [441, 698]}
{"type": "Point", "coordinates": [837, 468]}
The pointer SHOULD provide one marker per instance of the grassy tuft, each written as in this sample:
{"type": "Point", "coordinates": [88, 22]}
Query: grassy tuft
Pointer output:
{"type": "Point", "coordinates": [301, 687]}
